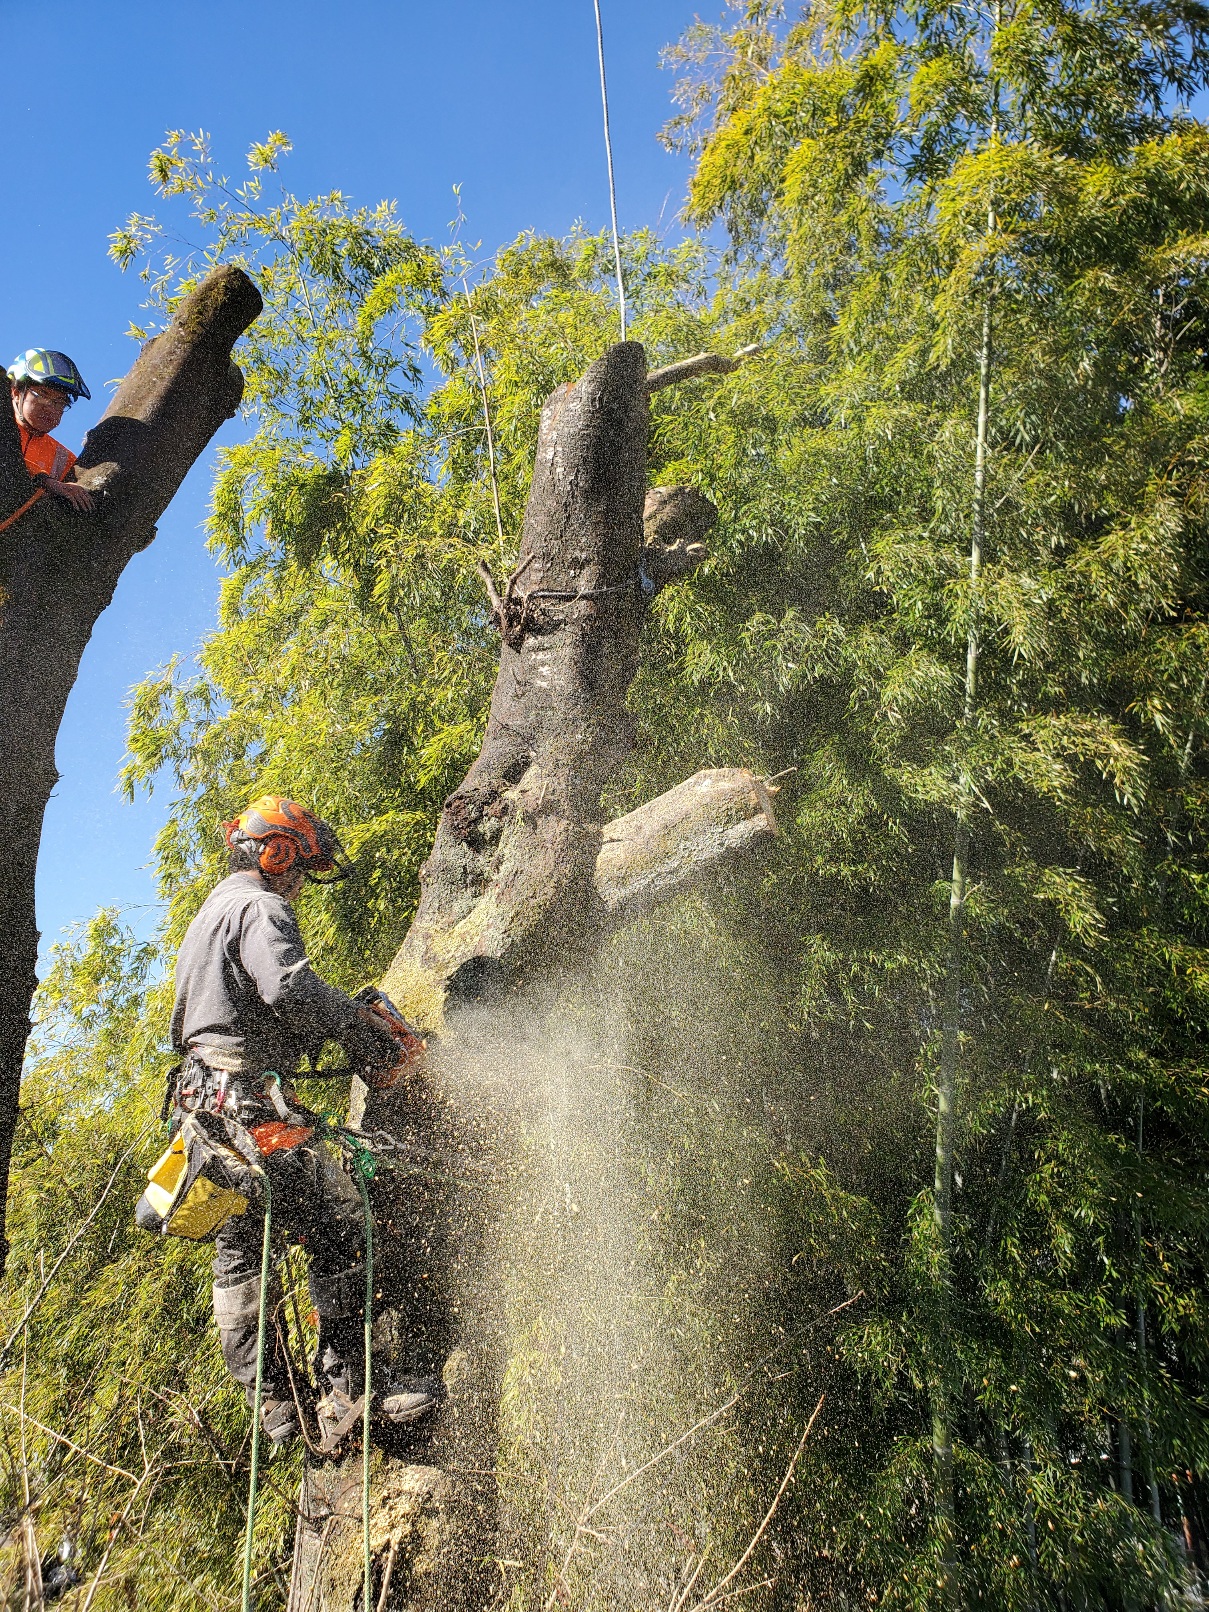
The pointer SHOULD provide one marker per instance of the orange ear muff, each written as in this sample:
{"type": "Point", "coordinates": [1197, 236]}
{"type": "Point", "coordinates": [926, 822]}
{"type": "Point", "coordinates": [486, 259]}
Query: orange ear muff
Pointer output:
{"type": "Point", "coordinates": [278, 853]}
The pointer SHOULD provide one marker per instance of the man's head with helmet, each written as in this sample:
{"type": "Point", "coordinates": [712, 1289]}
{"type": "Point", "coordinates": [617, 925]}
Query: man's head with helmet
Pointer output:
{"type": "Point", "coordinates": [285, 843]}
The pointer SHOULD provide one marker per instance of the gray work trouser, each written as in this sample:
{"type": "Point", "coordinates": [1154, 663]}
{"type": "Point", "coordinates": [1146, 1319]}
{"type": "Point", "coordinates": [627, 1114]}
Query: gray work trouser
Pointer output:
{"type": "Point", "coordinates": [316, 1206]}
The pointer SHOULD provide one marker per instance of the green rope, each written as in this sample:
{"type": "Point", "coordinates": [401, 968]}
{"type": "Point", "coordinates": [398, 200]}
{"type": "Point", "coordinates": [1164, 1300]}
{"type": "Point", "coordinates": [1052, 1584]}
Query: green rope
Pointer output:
{"type": "Point", "coordinates": [246, 1601]}
{"type": "Point", "coordinates": [363, 1162]}
{"type": "Point", "coordinates": [364, 1169]}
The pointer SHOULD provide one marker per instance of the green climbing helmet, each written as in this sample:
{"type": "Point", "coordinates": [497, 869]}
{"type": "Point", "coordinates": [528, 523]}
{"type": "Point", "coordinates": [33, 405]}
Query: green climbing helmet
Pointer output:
{"type": "Point", "coordinates": [42, 366]}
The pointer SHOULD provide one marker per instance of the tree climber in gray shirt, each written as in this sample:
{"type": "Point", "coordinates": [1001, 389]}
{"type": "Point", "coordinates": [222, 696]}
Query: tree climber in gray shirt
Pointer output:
{"type": "Point", "coordinates": [248, 1002]}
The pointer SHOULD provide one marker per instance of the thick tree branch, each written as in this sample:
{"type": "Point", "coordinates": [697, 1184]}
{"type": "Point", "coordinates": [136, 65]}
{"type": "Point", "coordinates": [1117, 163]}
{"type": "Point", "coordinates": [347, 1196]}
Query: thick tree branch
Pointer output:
{"type": "Point", "coordinates": [680, 840]}
{"type": "Point", "coordinates": [182, 387]}
{"type": "Point", "coordinates": [58, 571]}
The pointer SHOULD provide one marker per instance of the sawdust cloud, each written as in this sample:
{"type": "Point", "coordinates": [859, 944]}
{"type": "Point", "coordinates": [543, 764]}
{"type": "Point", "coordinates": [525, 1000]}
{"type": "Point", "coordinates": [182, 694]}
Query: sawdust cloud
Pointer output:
{"type": "Point", "coordinates": [627, 1265]}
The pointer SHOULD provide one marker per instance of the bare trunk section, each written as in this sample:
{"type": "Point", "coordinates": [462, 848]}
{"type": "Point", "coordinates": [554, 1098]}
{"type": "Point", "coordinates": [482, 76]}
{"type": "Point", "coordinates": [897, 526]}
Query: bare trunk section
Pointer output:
{"type": "Point", "coordinates": [524, 876]}
{"type": "Point", "coordinates": [509, 879]}
{"type": "Point", "coordinates": [58, 571]}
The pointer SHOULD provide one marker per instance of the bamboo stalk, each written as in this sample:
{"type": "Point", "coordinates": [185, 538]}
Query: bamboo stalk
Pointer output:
{"type": "Point", "coordinates": [950, 1048]}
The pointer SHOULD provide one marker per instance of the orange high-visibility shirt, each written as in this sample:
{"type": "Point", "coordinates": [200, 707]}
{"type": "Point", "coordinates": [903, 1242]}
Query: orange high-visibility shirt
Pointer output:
{"type": "Point", "coordinates": [43, 455]}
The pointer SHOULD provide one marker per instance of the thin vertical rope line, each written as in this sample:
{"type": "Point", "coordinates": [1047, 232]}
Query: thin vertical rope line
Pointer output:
{"type": "Point", "coordinates": [368, 1321]}
{"type": "Point", "coordinates": [245, 1600]}
{"type": "Point", "coordinates": [604, 103]}
{"type": "Point", "coordinates": [478, 362]}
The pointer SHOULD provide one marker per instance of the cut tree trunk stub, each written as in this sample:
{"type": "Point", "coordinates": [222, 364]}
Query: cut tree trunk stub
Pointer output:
{"type": "Point", "coordinates": [58, 571]}
{"type": "Point", "coordinates": [509, 878]}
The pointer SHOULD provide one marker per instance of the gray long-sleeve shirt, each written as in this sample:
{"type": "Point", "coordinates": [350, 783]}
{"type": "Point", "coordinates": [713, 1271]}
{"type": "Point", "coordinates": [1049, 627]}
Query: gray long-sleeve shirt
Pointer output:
{"type": "Point", "coordinates": [246, 991]}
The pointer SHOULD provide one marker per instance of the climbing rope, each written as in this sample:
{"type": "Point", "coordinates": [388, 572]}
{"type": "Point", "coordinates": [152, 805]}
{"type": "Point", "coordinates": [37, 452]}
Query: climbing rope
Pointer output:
{"type": "Point", "coordinates": [363, 1170]}
{"type": "Point", "coordinates": [604, 103]}
{"type": "Point", "coordinates": [253, 1481]}
{"type": "Point", "coordinates": [17, 514]}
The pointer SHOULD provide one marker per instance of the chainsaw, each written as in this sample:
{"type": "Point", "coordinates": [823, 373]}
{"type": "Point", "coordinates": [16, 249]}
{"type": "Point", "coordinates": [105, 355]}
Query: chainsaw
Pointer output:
{"type": "Point", "coordinates": [410, 1043]}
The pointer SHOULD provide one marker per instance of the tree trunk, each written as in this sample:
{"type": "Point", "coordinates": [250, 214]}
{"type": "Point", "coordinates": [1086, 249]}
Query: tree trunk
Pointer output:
{"type": "Point", "coordinates": [510, 871]}
{"type": "Point", "coordinates": [58, 571]}
{"type": "Point", "coordinates": [524, 876]}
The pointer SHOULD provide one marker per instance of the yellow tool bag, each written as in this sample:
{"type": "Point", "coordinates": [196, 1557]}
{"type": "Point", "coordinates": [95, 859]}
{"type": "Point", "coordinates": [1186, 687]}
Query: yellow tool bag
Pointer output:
{"type": "Point", "coordinates": [201, 1181]}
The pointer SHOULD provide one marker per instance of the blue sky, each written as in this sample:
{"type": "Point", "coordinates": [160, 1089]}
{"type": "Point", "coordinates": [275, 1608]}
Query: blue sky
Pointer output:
{"type": "Point", "coordinates": [381, 100]}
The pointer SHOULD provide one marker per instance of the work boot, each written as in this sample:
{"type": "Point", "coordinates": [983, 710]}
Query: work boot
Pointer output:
{"type": "Point", "coordinates": [406, 1399]}
{"type": "Point", "coordinates": [401, 1401]}
{"type": "Point", "coordinates": [338, 1416]}
{"type": "Point", "coordinates": [279, 1422]}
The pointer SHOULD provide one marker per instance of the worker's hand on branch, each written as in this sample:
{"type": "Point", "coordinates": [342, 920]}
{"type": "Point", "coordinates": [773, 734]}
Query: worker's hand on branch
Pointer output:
{"type": "Point", "coordinates": [80, 499]}
{"type": "Point", "coordinates": [372, 1019]}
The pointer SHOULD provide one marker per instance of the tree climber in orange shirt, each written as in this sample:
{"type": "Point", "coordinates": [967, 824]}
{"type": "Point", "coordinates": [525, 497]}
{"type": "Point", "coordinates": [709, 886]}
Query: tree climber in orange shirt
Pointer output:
{"type": "Point", "coordinates": [45, 384]}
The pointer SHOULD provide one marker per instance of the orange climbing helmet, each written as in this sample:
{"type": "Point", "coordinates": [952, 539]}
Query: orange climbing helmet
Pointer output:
{"type": "Point", "coordinates": [287, 835]}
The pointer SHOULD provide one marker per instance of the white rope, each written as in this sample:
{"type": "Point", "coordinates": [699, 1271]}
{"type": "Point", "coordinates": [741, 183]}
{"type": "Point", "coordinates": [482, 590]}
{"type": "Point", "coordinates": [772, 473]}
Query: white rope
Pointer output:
{"type": "Point", "coordinates": [482, 374]}
{"type": "Point", "coordinates": [604, 103]}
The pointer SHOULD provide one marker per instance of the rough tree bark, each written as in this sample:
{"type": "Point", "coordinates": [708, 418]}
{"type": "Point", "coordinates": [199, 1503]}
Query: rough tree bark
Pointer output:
{"type": "Point", "coordinates": [58, 571]}
{"type": "Point", "coordinates": [509, 883]}
{"type": "Point", "coordinates": [523, 876]}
